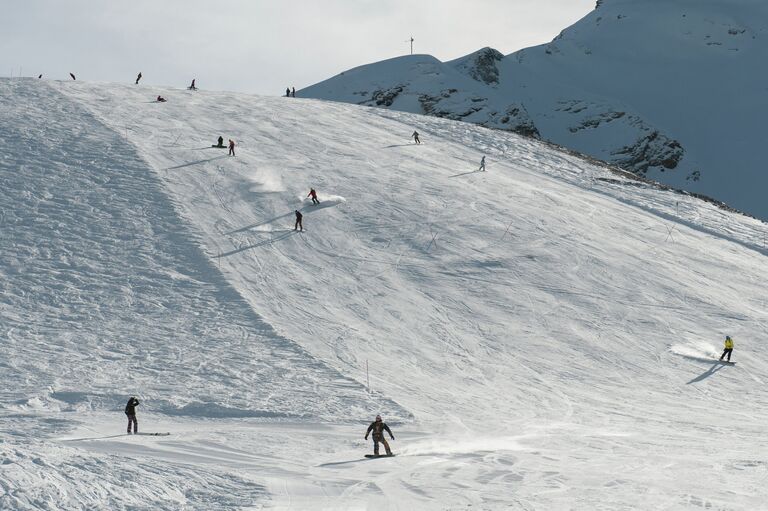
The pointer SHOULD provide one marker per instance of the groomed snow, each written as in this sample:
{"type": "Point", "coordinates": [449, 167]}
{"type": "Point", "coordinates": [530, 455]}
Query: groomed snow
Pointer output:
{"type": "Point", "coordinates": [539, 336]}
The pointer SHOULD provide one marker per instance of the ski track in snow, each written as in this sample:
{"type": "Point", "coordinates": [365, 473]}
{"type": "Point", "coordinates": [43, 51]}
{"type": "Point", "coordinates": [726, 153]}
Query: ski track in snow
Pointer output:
{"type": "Point", "coordinates": [538, 336]}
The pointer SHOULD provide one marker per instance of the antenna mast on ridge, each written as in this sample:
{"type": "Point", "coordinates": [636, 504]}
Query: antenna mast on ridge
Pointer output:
{"type": "Point", "coordinates": [411, 41]}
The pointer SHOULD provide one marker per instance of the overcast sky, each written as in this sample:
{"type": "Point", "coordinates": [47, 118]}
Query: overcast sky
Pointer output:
{"type": "Point", "coordinates": [258, 45]}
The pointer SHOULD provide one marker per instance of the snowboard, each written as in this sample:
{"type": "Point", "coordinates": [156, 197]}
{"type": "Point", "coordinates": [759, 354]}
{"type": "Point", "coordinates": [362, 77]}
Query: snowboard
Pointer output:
{"type": "Point", "coordinates": [374, 456]}
{"type": "Point", "coordinates": [151, 434]}
{"type": "Point", "coordinates": [218, 146]}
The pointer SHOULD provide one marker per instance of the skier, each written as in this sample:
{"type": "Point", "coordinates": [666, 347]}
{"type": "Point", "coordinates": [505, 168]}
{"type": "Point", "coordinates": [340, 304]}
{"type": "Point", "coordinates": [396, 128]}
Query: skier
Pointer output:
{"type": "Point", "coordinates": [39, 76]}
{"type": "Point", "coordinates": [482, 164]}
{"type": "Point", "coordinates": [221, 141]}
{"type": "Point", "coordinates": [138, 78]}
{"type": "Point", "coordinates": [298, 224]}
{"type": "Point", "coordinates": [378, 427]}
{"type": "Point", "coordinates": [231, 147]}
{"type": "Point", "coordinates": [293, 92]}
{"type": "Point", "coordinates": [416, 137]}
{"type": "Point", "coordinates": [287, 92]}
{"type": "Point", "coordinates": [73, 76]}
{"type": "Point", "coordinates": [192, 87]}
{"type": "Point", "coordinates": [728, 348]}
{"type": "Point", "coordinates": [160, 99]}
{"type": "Point", "coordinates": [313, 194]}
{"type": "Point", "coordinates": [130, 411]}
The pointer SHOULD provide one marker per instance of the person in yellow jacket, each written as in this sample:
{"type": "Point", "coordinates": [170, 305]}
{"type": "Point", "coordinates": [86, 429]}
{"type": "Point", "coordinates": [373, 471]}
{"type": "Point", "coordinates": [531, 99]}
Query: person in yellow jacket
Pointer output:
{"type": "Point", "coordinates": [728, 348]}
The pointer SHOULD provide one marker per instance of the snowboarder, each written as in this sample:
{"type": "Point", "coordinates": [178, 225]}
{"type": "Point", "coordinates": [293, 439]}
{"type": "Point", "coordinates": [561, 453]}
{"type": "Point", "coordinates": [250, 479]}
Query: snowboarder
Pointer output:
{"type": "Point", "coordinates": [73, 76]}
{"type": "Point", "coordinates": [130, 411]}
{"type": "Point", "coordinates": [378, 427]}
{"type": "Point", "coordinates": [220, 141]}
{"type": "Point", "coordinates": [482, 164]}
{"type": "Point", "coordinates": [192, 87]}
{"type": "Point", "coordinates": [728, 348]}
{"type": "Point", "coordinates": [298, 224]}
{"type": "Point", "coordinates": [313, 194]}
{"type": "Point", "coordinates": [293, 92]}
{"type": "Point", "coordinates": [138, 78]}
{"type": "Point", "coordinates": [287, 92]}
{"type": "Point", "coordinates": [231, 147]}
{"type": "Point", "coordinates": [416, 137]}
{"type": "Point", "coordinates": [160, 99]}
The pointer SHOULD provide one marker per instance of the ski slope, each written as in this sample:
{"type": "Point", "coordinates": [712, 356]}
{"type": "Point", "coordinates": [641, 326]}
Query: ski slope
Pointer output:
{"type": "Point", "coordinates": [670, 89]}
{"type": "Point", "coordinates": [538, 336]}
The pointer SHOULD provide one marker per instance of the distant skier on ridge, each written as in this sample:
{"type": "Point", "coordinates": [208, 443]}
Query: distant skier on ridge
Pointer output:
{"type": "Point", "coordinates": [73, 76]}
{"type": "Point", "coordinates": [192, 87]}
{"type": "Point", "coordinates": [138, 78]}
{"type": "Point", "coordinates": [416, 137]}
{"type": "Point", "coordinates": [482, 164]}
{"type": "Point", "coordinates": [313, 194]}
{"type": "Point", "coordinates": [130, 411]}
{"type": "Point", "coordinates": [378, 427]}
{"type": "Point", "coordinates": [728, 348]}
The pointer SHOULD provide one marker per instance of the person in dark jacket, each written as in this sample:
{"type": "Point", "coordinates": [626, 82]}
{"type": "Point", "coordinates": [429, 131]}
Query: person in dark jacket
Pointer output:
{"type": "Point", "coordinates": [378, 427]}
{"type": "Point", "coordinates": [287, 92]}
{"type": "Point", "coordinates": [293, 92]}
{"type": "Point", "coordinates": [231, 147]}
{"type": "Point", "coordinates": [130, 411]}
{"type": "Point", "coordinates": [138, 78]}
{"type": "Point", "coordinates": [416, 137]}
{"type": "Point", "coordinates": [220, 141]}
{"type": "Point", "coordinates": [482, 164]}
{"type": "Point", "coordinates": [73, 76]}
{"type": "Point", "coordinates": [160, 99]}
{"type": "Point", "coordinates": [298, 224]}
{"type": "Point", "coordinates": [192, 86]}
{"type": "Point", "coordinates": [313, 194]}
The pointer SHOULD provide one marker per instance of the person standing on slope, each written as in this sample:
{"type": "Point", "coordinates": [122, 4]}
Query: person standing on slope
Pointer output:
{"type": "Point", "coordinates": [192, 87]}
{"type": "Point", "coordinates": [298, 224]}
{"type": "Point", "coordinates": [416, 137]}
{"type": "Point", "coordinates": [728, 348]}
{"type": "Point", "coordinates": [313, 194]}
{"type": "Point", "coordinates": [482, 164]}
{"type": "Point", "coordinates": [378, 427]}
{"type": "Point", "coordinates": [130, 411]}
{"type": "Point", "coordinates": [287, 92]}
{"type": "Point", "coordinates": [138, 78]}
{"type": "Point", "coordinates": [220, 141]}
{"type": "Point", "coordinates": [293, 92]}
{"type": "Point", "coordinates": [231, 147]}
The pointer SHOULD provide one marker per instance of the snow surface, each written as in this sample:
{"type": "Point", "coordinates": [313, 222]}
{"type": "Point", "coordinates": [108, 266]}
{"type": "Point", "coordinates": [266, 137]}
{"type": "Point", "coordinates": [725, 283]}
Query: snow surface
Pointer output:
{"type": "Point", "coordinates": [538, 336]}
{"type": "Point", "coordinates": [674, 89]}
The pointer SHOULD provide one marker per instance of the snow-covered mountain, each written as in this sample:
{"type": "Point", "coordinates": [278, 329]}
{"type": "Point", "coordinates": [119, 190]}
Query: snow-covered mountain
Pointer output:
{"type": "Point", "coordinates": [671, 89]}
{"type": "Point", "coordinates": [542, 335]}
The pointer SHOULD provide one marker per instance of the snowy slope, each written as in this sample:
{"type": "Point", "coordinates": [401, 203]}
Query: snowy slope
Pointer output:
{"type": "Point", "coordinates": [539, 336]}
{"type": "Point", "coordinates": [671, 89]}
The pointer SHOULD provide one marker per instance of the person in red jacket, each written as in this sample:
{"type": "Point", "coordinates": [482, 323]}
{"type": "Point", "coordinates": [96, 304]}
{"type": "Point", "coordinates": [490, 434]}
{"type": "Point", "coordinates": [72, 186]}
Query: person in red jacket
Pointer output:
{"type": "Point", "coordinates": [378, 427]}
{"type": "Point", "coordinates": [231, 147]}
{"type": "Point", "coordinates": [313, 194]}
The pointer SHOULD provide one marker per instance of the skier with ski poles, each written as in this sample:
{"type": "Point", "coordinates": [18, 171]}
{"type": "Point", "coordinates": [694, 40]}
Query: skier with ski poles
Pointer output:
{"type": "Point", "coordinates": [313, 194]}
{"type": "Point", "coordinates": [416, 137]}
{"type": "Point", "coordinates": [482, 164]}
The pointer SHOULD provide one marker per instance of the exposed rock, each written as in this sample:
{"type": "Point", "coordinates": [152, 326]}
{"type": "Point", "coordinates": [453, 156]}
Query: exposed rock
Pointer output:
{"type": "Point", "coordinates": [650, 150]}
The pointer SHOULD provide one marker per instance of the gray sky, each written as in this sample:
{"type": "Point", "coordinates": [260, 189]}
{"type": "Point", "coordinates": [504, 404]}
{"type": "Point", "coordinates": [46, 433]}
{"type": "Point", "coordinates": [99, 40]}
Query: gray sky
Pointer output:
{"type": "Point", "coordinates": [257, 45]}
